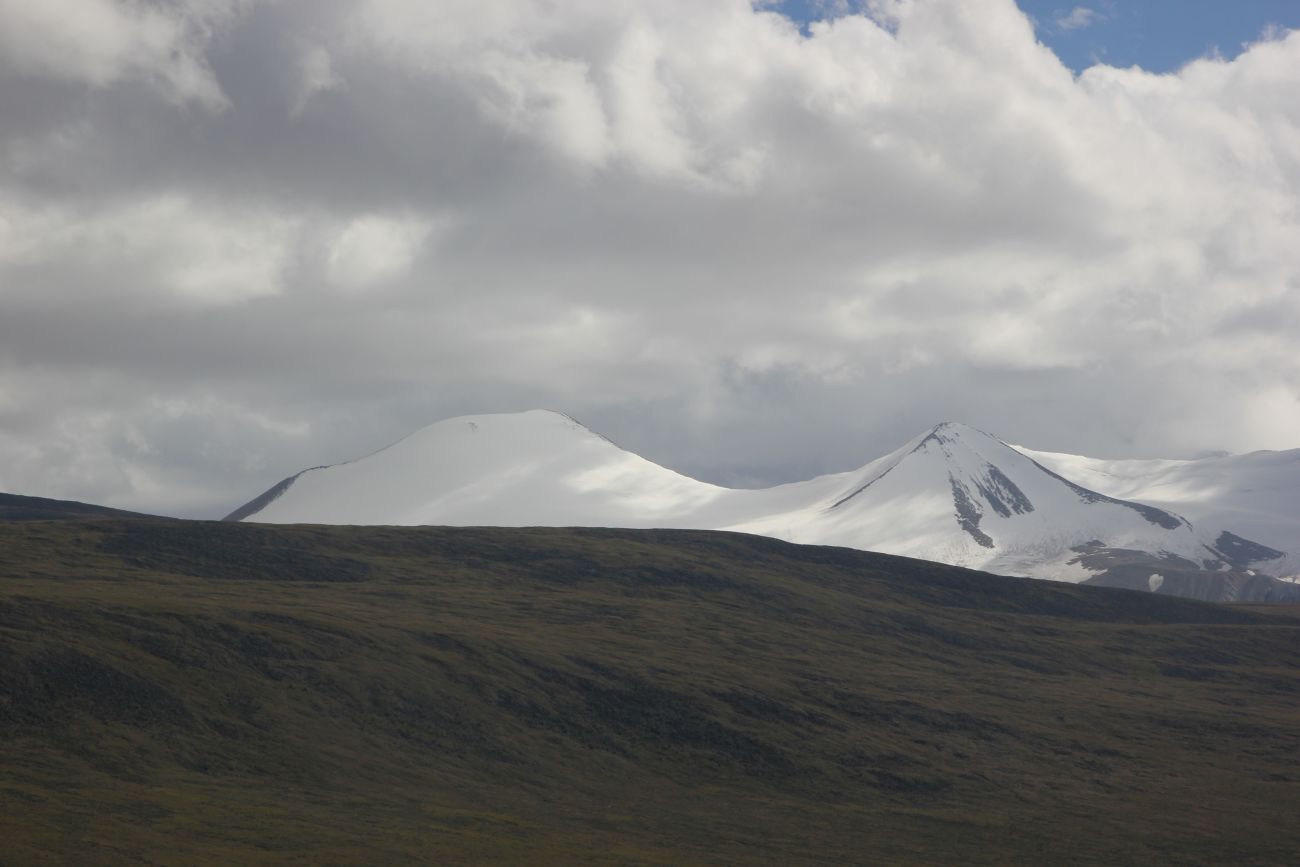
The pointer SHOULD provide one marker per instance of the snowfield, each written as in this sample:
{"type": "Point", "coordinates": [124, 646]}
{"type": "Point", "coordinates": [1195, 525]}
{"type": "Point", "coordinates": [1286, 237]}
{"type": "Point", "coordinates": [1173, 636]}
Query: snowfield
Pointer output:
{"type": "Point", "coordinates": [1256, 495]}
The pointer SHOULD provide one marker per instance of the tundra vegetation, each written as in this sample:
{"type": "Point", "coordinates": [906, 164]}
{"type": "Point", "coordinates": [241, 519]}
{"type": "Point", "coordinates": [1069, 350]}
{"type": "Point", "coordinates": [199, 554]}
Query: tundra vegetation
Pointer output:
{"type": "Point", "coordinates": [213, 693]}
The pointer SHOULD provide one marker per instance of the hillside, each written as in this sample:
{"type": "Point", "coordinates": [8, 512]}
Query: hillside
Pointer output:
{"type": "Point", "coordinates": [16, 507]}
{"type": "Point", "coordinates": [190, 693]}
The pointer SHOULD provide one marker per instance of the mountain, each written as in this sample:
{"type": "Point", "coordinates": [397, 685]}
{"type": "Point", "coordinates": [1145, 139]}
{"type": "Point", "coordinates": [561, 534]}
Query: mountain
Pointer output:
{"type": "Point", "coordinates": [507, 470]}
{"type": "Point", "coordinates": [953, 494]}
{"type": "Point", "coordinates": [182, 692]}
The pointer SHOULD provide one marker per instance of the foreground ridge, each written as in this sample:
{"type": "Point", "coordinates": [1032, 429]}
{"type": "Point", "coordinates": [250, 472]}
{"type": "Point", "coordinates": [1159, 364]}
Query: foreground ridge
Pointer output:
{"type": "Point", "coordinates": [231, 693]}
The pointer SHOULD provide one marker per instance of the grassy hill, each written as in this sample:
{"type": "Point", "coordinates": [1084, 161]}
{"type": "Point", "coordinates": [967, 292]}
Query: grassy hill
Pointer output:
{"type": "Point", "coordinates": [214, 693]}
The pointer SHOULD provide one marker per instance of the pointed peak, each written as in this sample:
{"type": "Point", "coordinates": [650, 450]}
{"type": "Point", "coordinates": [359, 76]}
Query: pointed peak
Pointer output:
{"type": "Point", "coordinates": [954, 431]}
{"type": "Point", "coordinates": [956, 427]}
{"type": "Point", "coordinates": [972, 441]}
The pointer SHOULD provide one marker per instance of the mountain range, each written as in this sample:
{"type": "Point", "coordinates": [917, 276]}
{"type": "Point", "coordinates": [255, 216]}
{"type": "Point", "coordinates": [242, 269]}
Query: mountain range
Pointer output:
{"type": "Point", "coordinates": [1222, 528]}
{"type": "Point", "coordinates": [201, 692]}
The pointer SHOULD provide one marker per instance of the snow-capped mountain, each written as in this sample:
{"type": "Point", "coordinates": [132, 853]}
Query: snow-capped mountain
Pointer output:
{"type": "Point", "coordinates": [953, 494]}
{"type": "Point", "coordinates": [535, 468]}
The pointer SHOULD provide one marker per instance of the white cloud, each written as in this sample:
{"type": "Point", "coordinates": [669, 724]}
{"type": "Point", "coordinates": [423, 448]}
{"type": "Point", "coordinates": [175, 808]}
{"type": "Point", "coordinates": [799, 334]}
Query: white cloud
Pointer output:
{"type": "Point", "coordinates": [100, 42]}
{"type": "Point", "coordinates": [167, 247]}
{"type": "Point", "coordinates": [371, 249]}
{"type": "Point", "coordinates": [1078, 18]}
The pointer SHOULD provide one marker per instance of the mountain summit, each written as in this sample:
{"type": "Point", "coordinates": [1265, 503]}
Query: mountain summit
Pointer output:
{"type": "Point", "coordinates": [953, 494]}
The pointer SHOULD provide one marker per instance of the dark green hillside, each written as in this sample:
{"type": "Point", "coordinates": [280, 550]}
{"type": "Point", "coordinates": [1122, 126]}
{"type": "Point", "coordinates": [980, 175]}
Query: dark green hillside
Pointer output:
{"type": "Point", "coordinates": [216, 693]}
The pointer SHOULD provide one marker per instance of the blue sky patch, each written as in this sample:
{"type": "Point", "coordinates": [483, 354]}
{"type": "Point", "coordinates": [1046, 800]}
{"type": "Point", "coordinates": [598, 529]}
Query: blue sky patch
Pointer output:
{"type": "Point", "coordinates": [1157, 35]}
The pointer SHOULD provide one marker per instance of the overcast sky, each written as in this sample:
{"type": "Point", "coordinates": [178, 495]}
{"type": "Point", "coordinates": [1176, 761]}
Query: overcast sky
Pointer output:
{"type": "Point", "coordinates": [238, 239]}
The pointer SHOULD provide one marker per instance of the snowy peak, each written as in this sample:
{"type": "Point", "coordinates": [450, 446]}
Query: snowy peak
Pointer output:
{"type": "Point", "coordinates": [958, 494]}
{"type": "Point", "coordinates": [510, 469]}
{"type": "Point", "coordinates": [962, 453]}
{"type": "Point", "coordinates": [978, 485]}
{"type": "Point", "coordinates": [999, 492]}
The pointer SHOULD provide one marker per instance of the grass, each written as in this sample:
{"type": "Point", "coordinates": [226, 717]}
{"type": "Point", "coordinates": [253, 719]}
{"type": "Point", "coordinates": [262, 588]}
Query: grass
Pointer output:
{"type": "Point", "coordinates": [212, 693]}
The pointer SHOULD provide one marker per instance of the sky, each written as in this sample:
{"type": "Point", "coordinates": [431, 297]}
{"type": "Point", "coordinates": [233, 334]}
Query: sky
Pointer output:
{"type": "Point", "coordinates": [753, 243]}
{"type": "Point", "coordinates": [1156, 35]}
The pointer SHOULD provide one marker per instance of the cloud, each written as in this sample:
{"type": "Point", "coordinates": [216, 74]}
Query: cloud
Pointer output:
{"type": "Point", "coordinates": [316, 68]}
{"type": "Point", "coordinates": [1078, 18]}
{"type": "Point", "coordinates": [102, 42]}
{"type": "Point", "coordinates": [170, 248]}
{"type": "Point", "coordinates": [371, 249]}
{"type": "Point", "coordinates": [748, 252]}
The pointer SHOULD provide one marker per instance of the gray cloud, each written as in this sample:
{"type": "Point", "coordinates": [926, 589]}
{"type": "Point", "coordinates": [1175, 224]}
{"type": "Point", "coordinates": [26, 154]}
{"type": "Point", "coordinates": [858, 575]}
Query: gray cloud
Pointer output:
{"type": "Point", "coordinates": [238, 239]}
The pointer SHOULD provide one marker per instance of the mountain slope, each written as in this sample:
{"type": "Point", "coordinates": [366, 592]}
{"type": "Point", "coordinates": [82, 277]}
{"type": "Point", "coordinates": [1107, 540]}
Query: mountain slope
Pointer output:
{"type": "Point", "coordinates": [953, 494]}
{"type": "Point", "coordinates": [1255, 496]}
{"type": "Point", "coordinates": [204, 693]}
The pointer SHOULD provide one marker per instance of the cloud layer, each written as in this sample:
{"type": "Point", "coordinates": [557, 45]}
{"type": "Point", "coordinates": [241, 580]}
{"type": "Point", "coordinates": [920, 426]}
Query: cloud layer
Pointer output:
{"type": "Point", "coordinates": [241, 238]}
